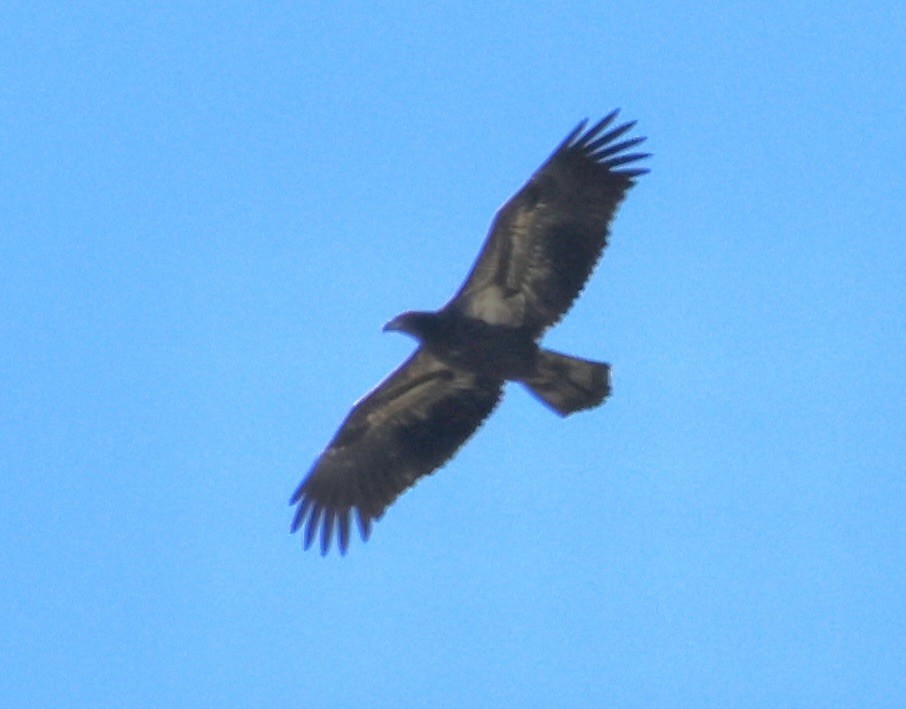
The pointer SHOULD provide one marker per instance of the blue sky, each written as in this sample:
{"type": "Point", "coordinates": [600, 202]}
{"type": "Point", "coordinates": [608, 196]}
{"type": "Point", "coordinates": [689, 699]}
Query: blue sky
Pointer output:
{"type": "Point", "coordinates": [209, 212]}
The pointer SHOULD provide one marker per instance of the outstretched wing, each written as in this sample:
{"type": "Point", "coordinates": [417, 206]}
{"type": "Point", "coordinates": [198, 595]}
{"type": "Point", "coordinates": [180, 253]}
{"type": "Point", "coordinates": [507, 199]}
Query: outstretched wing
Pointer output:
{"type": "Point", "coordinates": [545, 241]}
{"type": "Point", "coordinates": [405, 428]}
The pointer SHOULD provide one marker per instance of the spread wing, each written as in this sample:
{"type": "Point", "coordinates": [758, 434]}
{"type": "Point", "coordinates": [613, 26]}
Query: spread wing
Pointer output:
{"type": "Point", "coordinates": [545, 241]}
{"type": "Point", "coordinates": [405, 428]}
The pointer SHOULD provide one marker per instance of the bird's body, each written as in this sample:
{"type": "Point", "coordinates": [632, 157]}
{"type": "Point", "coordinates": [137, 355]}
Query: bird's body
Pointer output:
{"type": "Point", "coordinates": [485, 349]}
{"type": "Point", "coordinates": [542, 247]}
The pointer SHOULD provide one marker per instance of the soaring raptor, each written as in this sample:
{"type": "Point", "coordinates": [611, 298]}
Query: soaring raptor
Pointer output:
{"type": "Point", "coordinates": [542, 247]}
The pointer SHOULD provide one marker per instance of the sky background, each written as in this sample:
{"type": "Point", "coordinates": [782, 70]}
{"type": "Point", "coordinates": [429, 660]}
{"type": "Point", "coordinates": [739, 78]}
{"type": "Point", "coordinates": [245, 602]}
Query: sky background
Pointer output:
{"type": "Point", "coordinates": [209, 212]}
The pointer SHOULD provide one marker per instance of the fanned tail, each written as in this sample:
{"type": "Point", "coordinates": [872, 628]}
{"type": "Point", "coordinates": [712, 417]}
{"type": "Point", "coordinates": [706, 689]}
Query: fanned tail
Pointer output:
{"type": "Point", "coordinates": [569, 384]}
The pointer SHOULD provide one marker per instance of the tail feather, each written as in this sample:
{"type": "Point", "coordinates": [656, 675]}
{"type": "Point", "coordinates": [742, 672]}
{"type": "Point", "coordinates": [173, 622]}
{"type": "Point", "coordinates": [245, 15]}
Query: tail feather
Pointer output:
{"type": "Point", "coordinates": [569, 384]}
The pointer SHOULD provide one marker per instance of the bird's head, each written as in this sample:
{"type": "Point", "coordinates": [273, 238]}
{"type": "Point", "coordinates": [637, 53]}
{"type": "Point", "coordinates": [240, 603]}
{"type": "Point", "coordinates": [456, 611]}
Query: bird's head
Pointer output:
{"type": "Point", "coordinates": [414, 322]}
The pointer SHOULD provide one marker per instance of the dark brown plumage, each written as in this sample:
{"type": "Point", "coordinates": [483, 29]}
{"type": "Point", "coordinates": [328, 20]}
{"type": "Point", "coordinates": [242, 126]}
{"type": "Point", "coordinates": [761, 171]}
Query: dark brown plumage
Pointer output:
{"type": "Point", "coordinates": [541, 249]}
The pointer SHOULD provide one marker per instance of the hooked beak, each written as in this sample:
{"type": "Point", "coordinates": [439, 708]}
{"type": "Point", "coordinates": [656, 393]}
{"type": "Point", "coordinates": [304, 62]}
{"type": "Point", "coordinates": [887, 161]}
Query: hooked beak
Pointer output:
{"type": "Point", "coordinates": [393, 325]}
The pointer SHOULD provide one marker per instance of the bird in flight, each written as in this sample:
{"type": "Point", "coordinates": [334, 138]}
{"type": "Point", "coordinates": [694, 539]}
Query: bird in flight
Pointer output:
{"type": "Point", "coordinates": [542, 247]}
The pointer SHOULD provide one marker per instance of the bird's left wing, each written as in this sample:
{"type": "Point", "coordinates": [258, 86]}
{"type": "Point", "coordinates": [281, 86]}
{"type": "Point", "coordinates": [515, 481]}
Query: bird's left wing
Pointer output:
{"type": "Point", "coordinates": [406, 427]}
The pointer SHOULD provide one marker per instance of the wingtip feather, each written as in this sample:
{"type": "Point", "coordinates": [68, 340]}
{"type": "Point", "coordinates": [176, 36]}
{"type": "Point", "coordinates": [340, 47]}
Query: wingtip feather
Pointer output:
{"type": "Point", "coordinates": [618, 160]}
{"type": "Point", "coordinates": [327, 530]}
{"type": "Point", "coordinates": [571, 136]}
{"type": "Point", "coordinates": [318, 522]}
{"type": "Point", "coordinates": [601, 147]}
{"type": "Point", "coordinates": [364, 521]}
{"type": "Point", "coordinates": [343, 530]}
{"type": "Point", "coordinates": [608, 150]}
{"type": "Point", "coordinates": [599, 126]}
{"type": "Point", "coordinates": [299, 517]}
{"type": "Point", "coordinates": [312, 525]}
{"type": "Point", "coordinates": [634, 172]}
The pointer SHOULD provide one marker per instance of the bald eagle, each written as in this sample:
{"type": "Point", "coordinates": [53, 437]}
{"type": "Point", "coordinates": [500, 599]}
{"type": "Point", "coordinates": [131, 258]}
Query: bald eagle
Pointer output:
{"type": "Point", "coordinates": [541, 249]}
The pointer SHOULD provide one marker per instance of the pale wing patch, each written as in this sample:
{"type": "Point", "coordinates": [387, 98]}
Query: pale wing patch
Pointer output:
{"type": "Point", "coordinates": [494, 307]}
{"type": "Point", "coordinates": [411, 400]}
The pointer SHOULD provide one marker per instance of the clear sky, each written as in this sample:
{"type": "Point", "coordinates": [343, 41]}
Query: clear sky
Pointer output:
{"type": "Point", "coordinates": [209, 212]}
